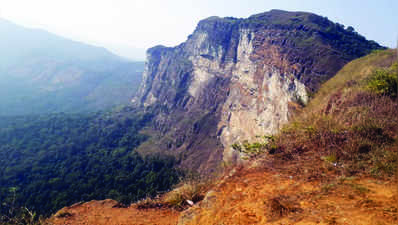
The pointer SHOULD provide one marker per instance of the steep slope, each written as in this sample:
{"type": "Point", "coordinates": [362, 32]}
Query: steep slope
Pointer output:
{"type": "Point", "coordinates": [337, 163]}
{"type": "Point", "coordinates": [41, 73]}
{"type": "Point", "coordinates": [296, 180]}
{"type": "Point", "coordinates": [234, 79]}
{"type": "Point", "coordinates": [51, 161]}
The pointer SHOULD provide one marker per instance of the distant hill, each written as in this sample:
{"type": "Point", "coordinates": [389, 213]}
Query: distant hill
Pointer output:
{"type": "Point", "coordinates": [132, 53]}
{"type": "Point", "coordinates": [41, 73]}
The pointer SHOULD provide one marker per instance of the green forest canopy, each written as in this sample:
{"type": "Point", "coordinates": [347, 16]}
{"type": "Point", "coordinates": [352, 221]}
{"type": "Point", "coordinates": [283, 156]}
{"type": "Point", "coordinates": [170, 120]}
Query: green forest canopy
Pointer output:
{"type": "Point", "coordinates": [51, 161]}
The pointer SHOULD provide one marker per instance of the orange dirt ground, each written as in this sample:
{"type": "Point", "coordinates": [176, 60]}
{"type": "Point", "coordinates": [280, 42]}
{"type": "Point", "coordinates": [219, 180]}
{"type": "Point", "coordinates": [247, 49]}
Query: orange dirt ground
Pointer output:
{"type": "Point", "coordinates": [261, 197]}
{"type": "Point", "coordinates": [105, 212]}
{"type": "Point", "coordinates": [247, 198]}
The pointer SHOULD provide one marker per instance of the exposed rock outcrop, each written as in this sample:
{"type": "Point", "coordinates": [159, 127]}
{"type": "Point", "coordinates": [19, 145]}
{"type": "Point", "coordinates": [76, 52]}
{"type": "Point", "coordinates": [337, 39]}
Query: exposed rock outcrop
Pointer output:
{"type": "Point", "coordinates": [234, 79]}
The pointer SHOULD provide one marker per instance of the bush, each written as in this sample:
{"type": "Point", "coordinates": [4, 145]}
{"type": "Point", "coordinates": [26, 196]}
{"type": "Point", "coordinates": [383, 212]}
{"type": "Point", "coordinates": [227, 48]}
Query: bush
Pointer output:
{"type": "Point", "coordinates": [384, 82]}
{"type": "Point", "coordinates": [330, 158]}
{"type": "Point", "coordinates": [22, 216]}
{"type": "Point", "coordinates": [385, 162]}
{"type": "Point", "coordinates": [254, 149]}
{"type": "Point", "coordinates": [189, 192]}
{"type": "Point", "coordinates": [149, 203]}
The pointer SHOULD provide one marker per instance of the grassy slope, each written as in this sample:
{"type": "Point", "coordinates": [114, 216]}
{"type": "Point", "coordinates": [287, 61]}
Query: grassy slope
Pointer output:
{"type": "Point", "coordinates": [357, 70]}
{"type": "Point", "coordinates": [347, 124]}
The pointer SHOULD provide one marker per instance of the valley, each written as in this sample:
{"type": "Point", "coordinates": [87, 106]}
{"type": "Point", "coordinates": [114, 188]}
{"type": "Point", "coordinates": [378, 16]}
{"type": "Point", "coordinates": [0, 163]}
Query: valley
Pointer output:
{"type": "Point", "coordinates": [282, 117]}
{"type": "Point", "coordinates": [43, 73]}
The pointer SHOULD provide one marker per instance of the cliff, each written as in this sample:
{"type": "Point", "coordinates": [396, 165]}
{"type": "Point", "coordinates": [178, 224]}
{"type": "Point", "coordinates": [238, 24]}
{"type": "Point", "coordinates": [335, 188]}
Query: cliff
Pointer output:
{"type": "Point", "coordinates": [234, 79]}
{"type": "Point", "coordinates": [337, 163]}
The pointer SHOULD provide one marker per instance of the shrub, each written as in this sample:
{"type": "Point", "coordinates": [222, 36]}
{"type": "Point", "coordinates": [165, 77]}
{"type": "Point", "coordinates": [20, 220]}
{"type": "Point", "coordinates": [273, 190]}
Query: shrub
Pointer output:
{"type": "Point", "coordinates": [373, 131]}
{"type": "Point", "coordinates": [22, 216]}
{"type": "Point", "coordinates": [180, 197]}
{"type": "Point", "coordinates": [384, 82]}
{"type": "Point", "coordinates": [256, 148]}
{"type": "Point", "coordinates": [149, 203]}
{"type": "Point", "coordinates": [385, 162]}
{"type": "Point", "coordinates": [330, 158]}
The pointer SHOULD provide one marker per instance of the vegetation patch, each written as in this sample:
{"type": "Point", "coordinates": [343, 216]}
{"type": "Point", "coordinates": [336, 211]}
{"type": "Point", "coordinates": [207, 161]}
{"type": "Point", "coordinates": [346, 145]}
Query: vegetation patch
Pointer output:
{"type": "Point", "coordinates": [253, 149]}
{"type": "Point", "coordinates": [149, 203]}
{"type": "Point", "coordinates": [345, 130]}
{"type": "Point", "coordinates": [384, 81]}
{"type": "Point", "coordinates": [52, 161]}
{"type": "Point", "coordinates": [186, 194]}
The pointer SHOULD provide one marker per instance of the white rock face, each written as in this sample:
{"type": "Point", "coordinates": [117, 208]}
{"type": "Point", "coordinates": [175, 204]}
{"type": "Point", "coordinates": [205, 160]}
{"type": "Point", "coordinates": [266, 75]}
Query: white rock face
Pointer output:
{"type": "Point", "coordinates": [204, 68]}
{"type": "Point", "coordinates": [258, 99]}
{"type": "Point", "coordinates": [235, 79]}
{"type": "Point", "coordinates": [253, 107]}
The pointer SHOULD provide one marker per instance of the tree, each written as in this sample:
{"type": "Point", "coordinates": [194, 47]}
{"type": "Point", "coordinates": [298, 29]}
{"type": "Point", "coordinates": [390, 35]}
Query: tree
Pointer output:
{"type": "Point", "coordinates": [350, 29]}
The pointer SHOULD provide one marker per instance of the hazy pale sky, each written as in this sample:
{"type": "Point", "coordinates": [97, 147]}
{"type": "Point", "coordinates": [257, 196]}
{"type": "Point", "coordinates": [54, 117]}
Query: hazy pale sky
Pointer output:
{"type": "Point", "coordinates": [146, 23]}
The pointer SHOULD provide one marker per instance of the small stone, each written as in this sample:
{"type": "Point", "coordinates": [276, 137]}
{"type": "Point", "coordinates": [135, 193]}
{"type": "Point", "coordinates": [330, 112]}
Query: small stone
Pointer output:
{"type": "Point", "coordinates": [190, 202]}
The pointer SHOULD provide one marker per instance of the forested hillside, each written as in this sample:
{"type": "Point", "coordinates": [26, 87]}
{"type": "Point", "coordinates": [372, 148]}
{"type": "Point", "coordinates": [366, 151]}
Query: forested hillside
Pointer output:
{"type": "Point", "coordinates": [44, 73]}
{"type": "Point", "coordinates": [51, 161]}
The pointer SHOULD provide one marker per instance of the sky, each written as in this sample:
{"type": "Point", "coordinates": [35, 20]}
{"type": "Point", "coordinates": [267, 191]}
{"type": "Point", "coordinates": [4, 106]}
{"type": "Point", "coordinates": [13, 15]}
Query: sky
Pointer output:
{"type": "Point", "coordinates": [140, 24]}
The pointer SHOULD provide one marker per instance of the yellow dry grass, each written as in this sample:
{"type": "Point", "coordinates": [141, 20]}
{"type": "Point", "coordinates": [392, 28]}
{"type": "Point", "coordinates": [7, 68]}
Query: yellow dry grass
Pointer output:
{"type": "Point", "coordinates": [356, 71]}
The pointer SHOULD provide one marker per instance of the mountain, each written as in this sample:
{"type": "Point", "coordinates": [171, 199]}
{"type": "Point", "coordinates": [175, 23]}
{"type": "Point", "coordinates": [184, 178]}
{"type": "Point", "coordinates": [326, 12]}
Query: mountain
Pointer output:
{"type": "Point", "coordinates": [234, 79]}
{"type": "Point", "coordinates": [339, 152]}
{"type": "Point", "coordinates": [42, 73]}
{"type": "Point", "coordinates": [213, 99]}
{"type": "Point", "coordinates": [336, 162]}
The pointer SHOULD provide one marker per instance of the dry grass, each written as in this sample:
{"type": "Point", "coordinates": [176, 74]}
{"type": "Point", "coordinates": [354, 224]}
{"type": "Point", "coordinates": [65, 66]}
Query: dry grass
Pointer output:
{"type": "Point", "coordinates": [149, 203]}
{"type": "Point", "coordinates": [186, 194]}
{"type": "Point", "coordinates": [345, 130]}
{"type": "Point", "coordinates": [23, 216]}
{"type": "Point", "coordinates": [351, 76]}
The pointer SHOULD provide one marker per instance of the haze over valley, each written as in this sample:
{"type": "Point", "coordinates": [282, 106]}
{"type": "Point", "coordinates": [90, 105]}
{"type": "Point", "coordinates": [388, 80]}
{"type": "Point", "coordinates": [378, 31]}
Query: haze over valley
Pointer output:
{"type": "Point", "coordinates": [110, 115]}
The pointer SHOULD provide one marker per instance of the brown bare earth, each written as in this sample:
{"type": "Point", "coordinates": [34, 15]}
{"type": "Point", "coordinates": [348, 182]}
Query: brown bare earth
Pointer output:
{"type": "Point", "coordinates": [258, 196]}
{"type": "Point", "coordinates": [109, 212]}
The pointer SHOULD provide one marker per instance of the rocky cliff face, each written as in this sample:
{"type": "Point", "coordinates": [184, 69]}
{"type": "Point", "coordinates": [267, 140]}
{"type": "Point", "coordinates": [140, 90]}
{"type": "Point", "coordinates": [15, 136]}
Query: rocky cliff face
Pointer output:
{"type": "Point", "coordinates": [234, 79]}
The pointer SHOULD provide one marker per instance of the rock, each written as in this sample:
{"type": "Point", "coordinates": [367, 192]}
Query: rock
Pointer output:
{"type": "Point", "coordinates": [190, 202]}
{"type": "Point", "coordinates": [191, 213]}
{"type": "Point", "coordinates": [234, 79]}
